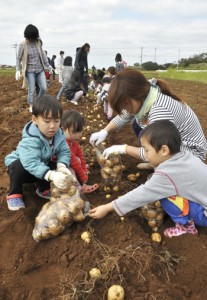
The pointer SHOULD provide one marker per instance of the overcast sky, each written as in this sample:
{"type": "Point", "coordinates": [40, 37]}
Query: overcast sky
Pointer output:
{"type": "Point", "coordinates": [166, 29]}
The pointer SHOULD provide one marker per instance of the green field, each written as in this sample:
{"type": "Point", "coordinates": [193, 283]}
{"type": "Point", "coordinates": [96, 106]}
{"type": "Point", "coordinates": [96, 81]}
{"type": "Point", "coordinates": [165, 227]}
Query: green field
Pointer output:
{"type": "Point", "coordinates": [171, 73]}
{"type": "Point", "coordinates": [178, 75]}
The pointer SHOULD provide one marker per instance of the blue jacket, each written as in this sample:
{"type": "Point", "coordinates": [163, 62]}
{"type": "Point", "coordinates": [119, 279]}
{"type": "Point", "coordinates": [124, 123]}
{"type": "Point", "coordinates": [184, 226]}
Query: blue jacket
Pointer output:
{"type": "Point", "coordinates": [35, 152]}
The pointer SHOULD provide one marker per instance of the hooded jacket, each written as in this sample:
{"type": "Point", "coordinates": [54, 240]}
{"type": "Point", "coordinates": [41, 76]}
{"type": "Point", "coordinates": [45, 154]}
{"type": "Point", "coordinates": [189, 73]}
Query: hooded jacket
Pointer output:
{"type": "Point", "coordinates": [35, 153]}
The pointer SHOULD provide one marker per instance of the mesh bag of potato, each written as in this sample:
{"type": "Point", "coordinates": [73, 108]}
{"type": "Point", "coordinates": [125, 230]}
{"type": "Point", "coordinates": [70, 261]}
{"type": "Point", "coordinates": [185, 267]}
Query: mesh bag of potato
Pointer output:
{"type": "Point", "coordinates": [111, 168]}
{"type": "Point", "coordinates": [65, 207]}
{"type": "Point", "coordinates": [153, 214]}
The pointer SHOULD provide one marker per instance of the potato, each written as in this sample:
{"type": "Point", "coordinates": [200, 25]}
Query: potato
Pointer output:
{"type": "Point", "coordinates": [160, 217]}
{"type": "Point", "coordinates": [115, 159]}
{"type": "Point", "coordinates": [107, 188]}
{"type": "Point", "coordinates": [45, 233]}
{"type": "Point", "coordinates": [108, 196]}
{"type": "Point", "coordinates": [55, 227]}
{"type": "Point", "coordinates": [123, 167]}
{"type": "Point", "coordinates": [64, 216]}
{"type": "Point", "coordinates": [83, 138]}
{"type": "Point", "coordinates": [156, 237]}
{"type": "Point", "coordinates": [104, 175]}
{"type": "Point", "coordinates": [86, 236]}
{"type": "Point", "coordinates": [117, 168]}
{"type": "Point", "coordinates": [95, 273]}
{"type": "Point", "coordinates": [116, 188]}
{"type": "Point", "coordinates": [157, 204]}
{"type": "Point", "coordinates": [122, 219]}
{"type": "Point", "coordinates": [107, 170]}
{"type": "Point", "coordinates": [151, 213]}
{"type": "Point", "coordinates": [138, 175]}
{"type": "Point", "coordinates": [78, 217]}
{"type": "Point", "coordinates": [109, 163]}
{"type": "Point", "coordinates": [116, 292]}
{"type": "Point", "coordinates": [72, 190]}
{"type": "Point", "coordinates": [101, 160]}
{"type": "Point", "coordinates": [152, 223]}
{"type": "Point", "coordinates": [132, 177]}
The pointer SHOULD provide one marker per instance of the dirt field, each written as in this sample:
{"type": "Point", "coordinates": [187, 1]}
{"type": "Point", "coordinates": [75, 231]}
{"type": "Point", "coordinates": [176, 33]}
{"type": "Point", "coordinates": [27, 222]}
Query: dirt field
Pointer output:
{"type": "Point", "coordinates": [58, 268]}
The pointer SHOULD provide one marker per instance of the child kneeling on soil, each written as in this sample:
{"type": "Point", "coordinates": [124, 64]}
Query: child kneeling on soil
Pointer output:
{"type": "Point", "coordinates": [72, 124]}
{"type": "Point", "coordinates": [42, 138]}
{"type": "Point", "coordinates": [179, 181]}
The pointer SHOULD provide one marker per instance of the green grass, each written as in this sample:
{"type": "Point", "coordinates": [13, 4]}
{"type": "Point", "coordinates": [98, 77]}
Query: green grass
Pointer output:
{"type": "Point", "coordinates": [178, 75]}
{"type": "Point", "coordinates": [7, 72]}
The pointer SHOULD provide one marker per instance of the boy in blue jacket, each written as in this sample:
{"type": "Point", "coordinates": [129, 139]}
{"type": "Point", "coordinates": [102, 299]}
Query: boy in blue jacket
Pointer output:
{"type": "Point", "coordinates": [42, 138]}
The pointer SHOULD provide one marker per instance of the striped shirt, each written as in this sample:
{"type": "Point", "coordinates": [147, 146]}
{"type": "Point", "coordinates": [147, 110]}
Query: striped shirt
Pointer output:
{"type": "Point", "coordinates": [179, 113]}
{"type": "Point", "coordinates": [33, 59]}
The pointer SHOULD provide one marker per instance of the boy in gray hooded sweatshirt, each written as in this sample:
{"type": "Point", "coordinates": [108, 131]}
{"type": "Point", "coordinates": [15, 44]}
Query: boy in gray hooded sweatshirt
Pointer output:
{"type": "Point", "coordinates": [179, 182]}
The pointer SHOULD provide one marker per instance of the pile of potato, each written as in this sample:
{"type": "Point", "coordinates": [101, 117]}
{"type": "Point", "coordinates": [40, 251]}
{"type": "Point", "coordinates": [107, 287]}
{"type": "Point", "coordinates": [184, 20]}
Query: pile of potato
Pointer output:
{"type": "Point", "coordinates": [154, 214]}
{"type": "Point", "coordinates": [111, 168]}
{"type": "Point", "coordinates": [65, 206]}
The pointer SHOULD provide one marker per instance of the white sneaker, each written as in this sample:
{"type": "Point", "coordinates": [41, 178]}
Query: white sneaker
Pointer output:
{"type": "Point", "coordinates": [74, 102]}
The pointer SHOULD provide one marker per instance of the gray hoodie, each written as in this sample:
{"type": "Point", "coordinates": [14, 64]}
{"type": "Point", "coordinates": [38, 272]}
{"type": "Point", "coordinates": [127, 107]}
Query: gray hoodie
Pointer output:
{"type": "Point", "coordinates": [183, 174]}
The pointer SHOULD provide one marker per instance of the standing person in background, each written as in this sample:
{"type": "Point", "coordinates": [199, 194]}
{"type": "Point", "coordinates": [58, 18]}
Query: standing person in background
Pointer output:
{"type": "Point", "coordinates": [119, 63]}
{"type": "Point", "coordinates": [49, 60]}
{"type": "Point", "coordinates": [34, 62]}
{"type": "Point", "coordinates": [60, 66]}
{"type": "Point", "coordinates": [81, 64]}
{"type": "Point", "coordinates": [66, 74]}
{"type": "Point", "coordinates": [52, 63]}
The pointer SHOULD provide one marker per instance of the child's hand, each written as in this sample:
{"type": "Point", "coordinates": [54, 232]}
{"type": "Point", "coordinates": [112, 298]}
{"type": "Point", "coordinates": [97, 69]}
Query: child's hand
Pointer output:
{"type": "Point", "coordinates": [59, 179]}
{"type": "Point", "coordinates": [101, 211]}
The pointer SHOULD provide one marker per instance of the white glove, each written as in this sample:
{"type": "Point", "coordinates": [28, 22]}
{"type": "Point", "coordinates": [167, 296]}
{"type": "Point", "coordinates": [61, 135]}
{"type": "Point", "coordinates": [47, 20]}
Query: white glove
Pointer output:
{"type": "Point", "coordinates": [63, 169]}
{"type": "Point", "coordinates": [98, 137]}
{"type": "Point", "coordinates": [18, 75]}
{"type": "Point", "coordinates": [59, 179]}
{"type": "Point", "coordinates": [116, 149]}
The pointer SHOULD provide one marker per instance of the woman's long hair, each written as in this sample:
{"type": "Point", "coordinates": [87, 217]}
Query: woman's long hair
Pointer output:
{"type": "Point", "coordinates": [31, 33]}
{"type": "Point", "coordinates": [132, 84]}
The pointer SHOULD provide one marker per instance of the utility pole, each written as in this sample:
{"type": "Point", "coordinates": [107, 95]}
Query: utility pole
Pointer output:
{"type": "Point", "coordinates": [178, 58]}
{"type": "Point", "coordinates": [15, 47]}
{"type": "Point", "coordinates": [141, 58]}
{"type": "Point", "coordinates": [155, 56]}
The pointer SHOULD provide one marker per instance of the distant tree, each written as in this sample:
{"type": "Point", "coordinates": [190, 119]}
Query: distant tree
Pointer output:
{"type": "Point", "coordinates": [150, 66]}
{"type": "Point", "coordinates": [137, 65]}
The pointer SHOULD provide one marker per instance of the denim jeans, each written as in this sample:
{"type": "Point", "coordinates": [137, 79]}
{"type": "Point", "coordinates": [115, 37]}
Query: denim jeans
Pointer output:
{"type": "Point", "coordinates": [32, 80]}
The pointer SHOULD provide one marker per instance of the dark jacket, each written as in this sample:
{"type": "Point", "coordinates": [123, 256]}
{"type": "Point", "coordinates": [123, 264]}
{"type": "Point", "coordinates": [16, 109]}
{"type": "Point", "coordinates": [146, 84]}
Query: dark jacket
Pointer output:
{"type": "Point", "coordinates": [81, 60]}
{"type": "Point", "coordinates": [52, 63]}
{"type": "Point", "coordinates": [71, 89]}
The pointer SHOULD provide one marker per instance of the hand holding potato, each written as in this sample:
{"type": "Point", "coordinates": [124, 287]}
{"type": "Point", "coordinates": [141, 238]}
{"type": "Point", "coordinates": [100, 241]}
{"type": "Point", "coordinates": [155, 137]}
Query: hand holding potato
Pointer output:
{"type": "Point", "coordinates": [116, 149]}
{"type": "Point", "coordinates": [101, 211]}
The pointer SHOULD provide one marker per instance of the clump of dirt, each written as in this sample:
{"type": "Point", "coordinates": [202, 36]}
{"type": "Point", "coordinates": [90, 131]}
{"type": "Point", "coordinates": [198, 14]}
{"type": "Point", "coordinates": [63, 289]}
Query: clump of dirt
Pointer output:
{"type": "Point", "coordinates": [122, 249]}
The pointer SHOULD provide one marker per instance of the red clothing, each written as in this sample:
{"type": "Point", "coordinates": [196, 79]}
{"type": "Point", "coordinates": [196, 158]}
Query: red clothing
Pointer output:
{"type": "Point", "coordinates": [78, 165]}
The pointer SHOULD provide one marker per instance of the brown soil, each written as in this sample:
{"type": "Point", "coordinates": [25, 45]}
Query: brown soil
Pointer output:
{"type": "Point", "coordinates": [58, 268]}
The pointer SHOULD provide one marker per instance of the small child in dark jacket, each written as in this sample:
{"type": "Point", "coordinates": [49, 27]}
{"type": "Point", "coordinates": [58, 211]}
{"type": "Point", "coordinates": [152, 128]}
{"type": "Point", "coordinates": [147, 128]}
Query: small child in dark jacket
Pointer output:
{"type": "Point", "coordinates": [72, 123]}
{"type": "Point", "coordinates": [73, 92]}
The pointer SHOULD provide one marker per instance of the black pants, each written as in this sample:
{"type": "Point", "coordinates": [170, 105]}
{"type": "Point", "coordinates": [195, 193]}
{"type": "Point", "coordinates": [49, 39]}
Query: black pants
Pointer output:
{"type": "Point", "coordinates": [18, 176]}
{"type": "Point", "coordinates": [83, 80]}
{"type": "Point", "coordinates": [53, 75]}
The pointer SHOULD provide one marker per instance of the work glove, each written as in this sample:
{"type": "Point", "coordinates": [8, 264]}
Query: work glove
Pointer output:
{"type": "Point", "coordinates": [18, 75]}
{"type": "Point", "coordinates": [116, 149]}
{"type": "Point", "coordinates": [98, 137]}
{"type": "Point", "coordinates": [63, 169]}
{"type": "Point", "coordinates": [58, 178]}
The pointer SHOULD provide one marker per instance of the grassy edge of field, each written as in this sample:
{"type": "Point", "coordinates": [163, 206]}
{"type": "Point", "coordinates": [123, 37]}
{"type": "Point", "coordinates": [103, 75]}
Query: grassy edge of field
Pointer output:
{"type": "Point", "coordinates": [170, 74]}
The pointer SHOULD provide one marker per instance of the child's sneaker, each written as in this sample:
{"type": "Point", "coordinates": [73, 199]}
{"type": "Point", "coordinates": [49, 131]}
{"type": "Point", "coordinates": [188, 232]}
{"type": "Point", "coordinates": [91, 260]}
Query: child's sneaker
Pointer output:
{"type": "Point", "coordinates": [190, 227]}
{"type": "Point", "coordinates": [45, 194]}
{"type": "Point", "coordinates": [74, 102]}
{"type": "Point", "coordinates": [15, 202]}
{"type": "Point", "coordinates": [180, 229]}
